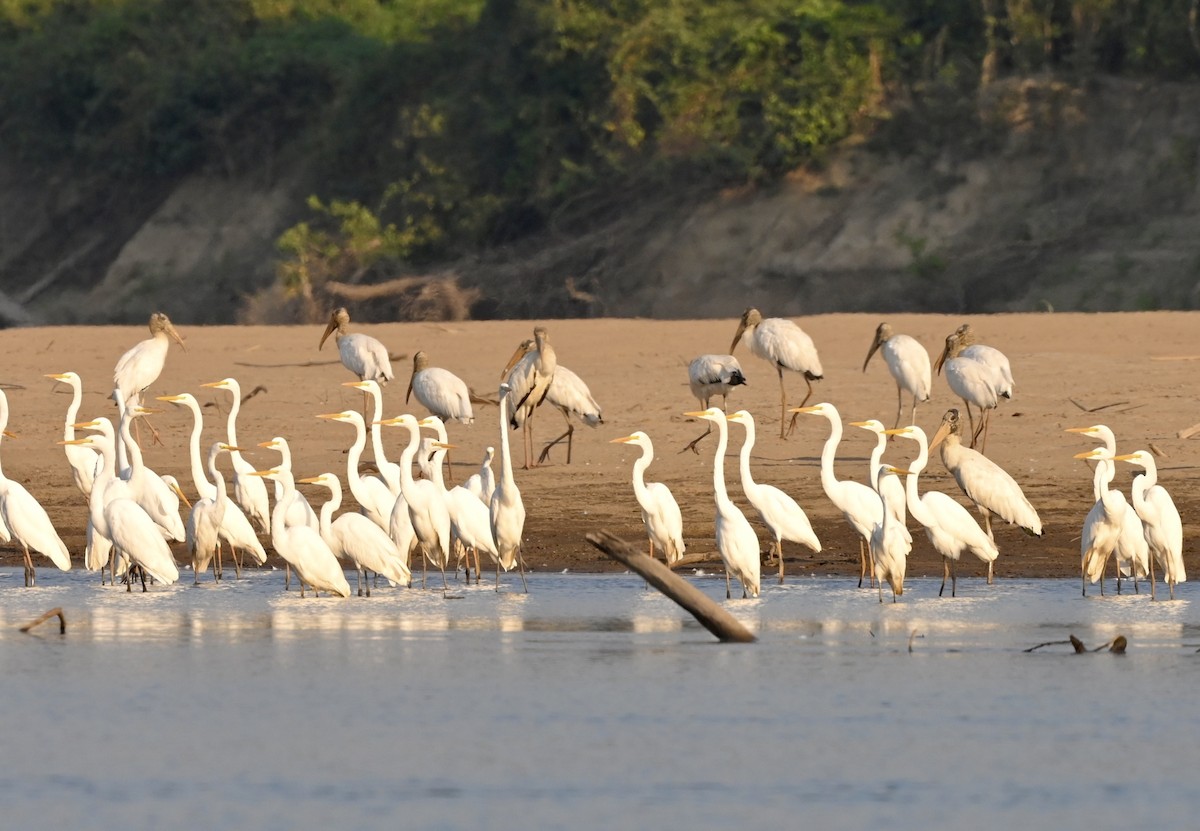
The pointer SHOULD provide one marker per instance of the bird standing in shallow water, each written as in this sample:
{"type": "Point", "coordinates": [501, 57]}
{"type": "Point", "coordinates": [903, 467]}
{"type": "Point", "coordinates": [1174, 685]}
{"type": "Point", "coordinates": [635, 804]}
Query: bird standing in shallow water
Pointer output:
{"type": "Point", "coordinates": [786, 346]}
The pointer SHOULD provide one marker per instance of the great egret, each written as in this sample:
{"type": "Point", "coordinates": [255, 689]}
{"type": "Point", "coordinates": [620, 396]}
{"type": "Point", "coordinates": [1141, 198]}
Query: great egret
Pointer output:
{"type": "Point", "coordinates": [891, 486]}
{"type": "Point", "coordinates": [425, 499]}
{"type": "Point", "coordinates": [1102, 527]}
{"type": "Point", "coordinates": [736, 540]}
{"type": "Point", "coordinates": [389, 471]}
{"type": "Point", "coordinates": [1132, 554]}
{"type": "Point", "coordinates": [82, 460]}
{"type": "Point", "coordinates": [147, 488]}
{"type": "Point", "coordinates": [786, 346]}
{"type": "Point", "coordinates": [1160, 519]}
{"type": "Point", "coordinates": [950, 527]}
{"type": "Point", "coordinates": [470, 520]}
{"type": "Point", "coordinates": [974, 380]}
{"type": "Point", "coordinates": [355, 538]}
{"type": "Point", "coordinates": [710, 375]}
{"type": "Point", "coordinates": [860, 504]}
{"type": "Point", "coordinates": [249, 492]}
{"type": "Point", "coordinates": [484, 482]}
{"type": "Point", "coordinates": [234, 527]}
{"type": "Point", "coordinates": [660, 511]}
{"type": "Point", "coordinates": [299, 511]}
{"type": "Point", "coordinates": [889, 546]}
{"type": "Point", "coordinates": [140, 367]}
{"type": "Point", "coordinates": [506, 511]}
{"type": "Point", "coordinates": [784, 518]}
{"type": "Point", "coordinates": [370, 492]}
{"type": "Point", "coordinates": [99, 550]}
{"type": "Point", "coordinates": [207, 518]}
{"type": "Point", "coordinates": [26, 520]}
{"type": "Point", "coordinates": [983, 481]}
{"type": "Point", "coordinates": [301, 546]}
{"type": "Point", "coordinates": [361, 354]}
{"type": "Point", "coordinates": [908, 363]}
{"type": "Point", "coordinates": [528, 373]}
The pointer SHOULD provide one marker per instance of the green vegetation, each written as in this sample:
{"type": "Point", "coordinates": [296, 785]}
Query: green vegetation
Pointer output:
{"type": "Point", "coordinates": [433, 128]}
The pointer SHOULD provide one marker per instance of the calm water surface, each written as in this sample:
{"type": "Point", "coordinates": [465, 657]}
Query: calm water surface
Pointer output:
{"type": "Point", "coordinates": [592, 702]}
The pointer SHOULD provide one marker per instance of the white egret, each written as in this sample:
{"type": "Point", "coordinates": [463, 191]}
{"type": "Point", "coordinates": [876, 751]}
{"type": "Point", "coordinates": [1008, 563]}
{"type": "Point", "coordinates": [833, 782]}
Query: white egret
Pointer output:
{"type": "Point", "coordinates": [370, 492]}
{"type": "Point", "coordinates": [140, 367]}
{"type": "Point", "coordinates": [889, 547]}
{"type": "Point", "coordinates": [99, 550]}
{"type": "Point", "coordinates": [1102, 527]}
{"type": "Point", "coordinates": [389, 471]}
{"type": "Point", "coordinates": [950, 527]}
{"type": "Point", "coordinates": [484, 482]}
{"type": "Point", "coordinates": [660, 511]}
{"type": "Point", "coordinates": [710, 375]}
{"type": "Point", "coordinates": [355, 538]}
{"type": "Point", "coordinates": [233, 526]}
{"type": "Point", "coordinates": [506, 511]}
{"type": "Point", "coordinates": [736, 540]}
{"type": "Point", "coordinates": [470, 520]}
{"type": "Point", "coordinates": [890, 486]}
{"type": "Point", "coordinates": [147, 488]}
{"type": "Point", "coordinates": [208, 517]}
{"type": "Point", "coordinates": [528, 373]}
{"type": "Point", "coordinates": [973, 380]}
{"type": "Point", "coordinates": [784, 518]}
{"type": "Point", "coordinates": [786, 346]}
{"type": "Point", "coordinates": [249, 492]}
{"type": "Point", "coordinates": [860, 504]}
{"type": "Point", "coordinates": [1160, 519]}
{"type": "Point", "coordinates": [25, 520]}
{"type": "Point", "coordinates": [301, 546]}
{"type": "Point", "coordinates": [983, 481]}
{"type": "Point", "coordinates": [908, 363]}
{"type": "Point", "coordinates": [361, 354]}
{"type": "Point", "coordinates": [299, 511]}
{"type": "Point", "coordinates": [426, 501]}
{"type": "Point", "coordinates": [82, 460]}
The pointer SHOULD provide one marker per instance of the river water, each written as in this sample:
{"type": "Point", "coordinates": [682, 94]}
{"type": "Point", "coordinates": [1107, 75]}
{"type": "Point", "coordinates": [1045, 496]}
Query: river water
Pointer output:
{"type": "Point", "coordinates": [593, 703]}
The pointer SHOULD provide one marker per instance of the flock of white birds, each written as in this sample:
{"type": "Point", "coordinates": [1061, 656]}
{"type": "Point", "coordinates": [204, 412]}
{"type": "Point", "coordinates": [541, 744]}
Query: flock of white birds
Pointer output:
{"type": "Point", "coordinates": [133, 513]}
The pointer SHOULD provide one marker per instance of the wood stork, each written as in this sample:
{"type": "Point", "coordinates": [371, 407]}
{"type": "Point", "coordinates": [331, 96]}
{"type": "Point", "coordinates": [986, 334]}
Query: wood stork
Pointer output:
{"type": "Point", "coordinates": [528, 373]}
{"type": "Point", "coordinates": [908, 363]}
{"type": "Point", "coordinates": [710, 375]}
{"type": "Point", "coordinates": [786, 346]}
{"type": "Point", "coordinates": [140, 367]}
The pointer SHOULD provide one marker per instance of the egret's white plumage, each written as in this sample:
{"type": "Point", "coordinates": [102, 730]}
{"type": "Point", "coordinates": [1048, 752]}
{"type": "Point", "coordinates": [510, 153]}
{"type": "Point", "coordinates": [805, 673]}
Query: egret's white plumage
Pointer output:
{"type": "Point", "coordinates": [355, 538]}
{"type": "Point", "coordinates": [301, 546]}
{"type": "Point", "coordinates": [506, 511]}
{"type": "Point", "coordinates": [233, 527]}
{"type": "Point", "coordinates": [82, 460]}
{"type": "Point", "coordinates": [140, 367]}
{"type": "Point", "coordinates": [207, 518]}
{"type": "Point", "coordinates": [950, 527]}
{"type": "Point", "coordinates": [249, 492]}
{"type": "Point", "coordinates": [425, 499]}
{"type": "Point", "coordinates": [983, 481]}
{"type": "Point", "coordinates": [860, 504]}
{"type": "Point", "coordinates": [660, 511]}
{"type": "Point", "coordinates": [889, 485]}
{"type": "Point", "coordinates": [389, 471]}
{"type": "Point", "coordinates": [147, 488]}
{"type": "Point", "coordinates": [299, 511]}
{"type": "Point", "coordinates": [26, 520]}
{"type": "Point", "coordinates": [1160, 519]}
{"type": "Point", "coordinates": [784, 518]}
{"type": "Point", "coordinates": [786, 346]}
{"type": "Point", "coordinates": [483, 483]}
{"type": "Point", "coordinates": [370, 492]}
{"type": "Point", "coordinates": [736, 540]}
{"type": "Point", "coordinates": [1102, 527]}
{"type": "Point", "coordinates": [889, 546]}
{"type": "Point", "coordinates": [907, 362]}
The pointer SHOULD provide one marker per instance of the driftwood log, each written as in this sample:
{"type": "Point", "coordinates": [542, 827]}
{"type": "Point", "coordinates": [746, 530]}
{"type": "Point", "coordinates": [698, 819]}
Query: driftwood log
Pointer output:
{"type": "Point", "coordinates": [702, 607]}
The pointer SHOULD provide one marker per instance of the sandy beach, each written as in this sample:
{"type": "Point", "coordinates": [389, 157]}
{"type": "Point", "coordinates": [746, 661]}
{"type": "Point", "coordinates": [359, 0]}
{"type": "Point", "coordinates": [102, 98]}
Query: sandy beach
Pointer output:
{"type": "Point", "coordinates": [1135, 372]}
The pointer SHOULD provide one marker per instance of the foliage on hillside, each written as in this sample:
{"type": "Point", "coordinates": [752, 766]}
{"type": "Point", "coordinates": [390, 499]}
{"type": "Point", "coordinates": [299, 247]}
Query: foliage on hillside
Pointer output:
{"type": "Point", "coordinates": [433, 128]}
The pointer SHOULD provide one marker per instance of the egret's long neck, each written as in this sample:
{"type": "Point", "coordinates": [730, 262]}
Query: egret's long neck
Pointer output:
{"type": "Point", "coordinates": [639, 471]}
{"type": "Point", "coordinates": [231, 419]}
{"type": "Point", "coordinates": [119, 439]}
{"type": "Point", "coordinates": [332, 504]}
{"type": "Point", "coordinates": [829, 453]}
{"type": "Point", "coordinates": [3, 422]}
{"type": "Point", "coordinates": [352, 459]}
{"type": "Point", "coordinates": [220, 494]}
{"type": "Point", "coordinates": [381, 461]}
{"type": "Point", "coordinates": [719, 491]}
{"type": "Point", "coordinates": [104, 474]}
{"type": "Point", "coordinates": [203, 486]}
{"type": "Point", "coordinates": [73, 411]}
{"type": "Point", "coordinates": [748, 483]}
{"type": "Point", "coordinates": [915, 506]}
{"type": "Point", "coordinates": [877, 456]}
{"type": "Point", "coordinates": [287, 487]}
{"type": "Point", "coordinates": [407, 483]}
{"type": "Point", "coordinates": [131, 447]}
{"type": "Point", "coordinates": [506, 470]}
